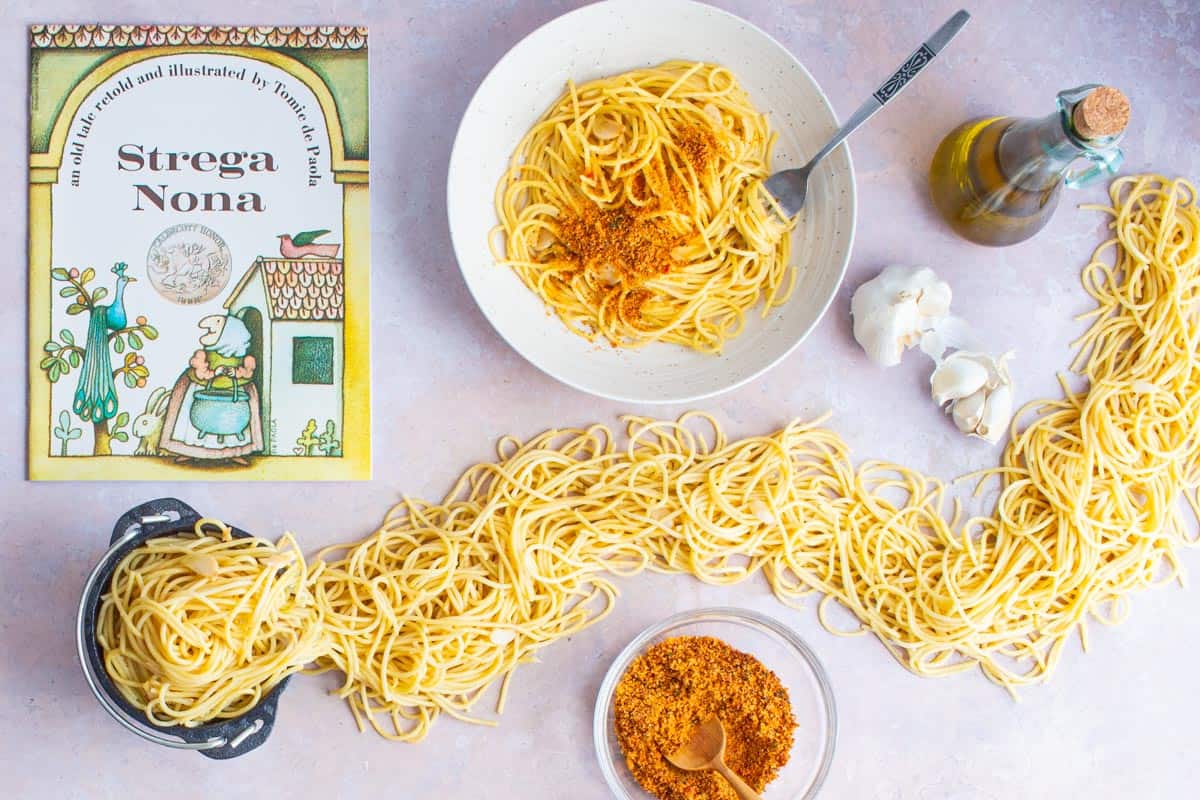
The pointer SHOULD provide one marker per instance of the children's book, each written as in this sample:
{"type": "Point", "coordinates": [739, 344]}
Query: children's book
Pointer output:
{"type": "Point", "coordinates": [199, 262]}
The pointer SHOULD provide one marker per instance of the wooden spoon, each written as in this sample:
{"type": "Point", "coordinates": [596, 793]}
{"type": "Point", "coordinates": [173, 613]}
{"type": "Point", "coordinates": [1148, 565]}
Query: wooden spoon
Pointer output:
{"type": "Point", "coordinates": [706, 750]}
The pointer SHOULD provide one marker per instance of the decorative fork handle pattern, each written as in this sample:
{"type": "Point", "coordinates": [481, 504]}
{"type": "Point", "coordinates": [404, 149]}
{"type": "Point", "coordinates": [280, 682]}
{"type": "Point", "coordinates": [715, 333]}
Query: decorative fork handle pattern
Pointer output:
{"type": "Point", "coordinates": [790, 186]}
{"type": "Point", "coordinates": [908, 70]}
{"type": "Point", "coordinates": [923, 55]}
{"type": "Point", "coordinates": [911, 67]}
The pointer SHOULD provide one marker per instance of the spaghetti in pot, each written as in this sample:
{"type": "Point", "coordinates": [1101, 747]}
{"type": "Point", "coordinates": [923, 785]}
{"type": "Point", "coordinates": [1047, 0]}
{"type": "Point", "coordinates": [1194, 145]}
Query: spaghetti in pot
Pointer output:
{"type": "Point", "coordinates": [200, 626]}
{"type": "Point", "coordinates": [634, 209]}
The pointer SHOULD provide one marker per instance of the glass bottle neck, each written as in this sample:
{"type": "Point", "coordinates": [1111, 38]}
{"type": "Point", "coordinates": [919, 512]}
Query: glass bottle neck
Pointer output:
{"type": "Point", "coordinates": [1035, 153]}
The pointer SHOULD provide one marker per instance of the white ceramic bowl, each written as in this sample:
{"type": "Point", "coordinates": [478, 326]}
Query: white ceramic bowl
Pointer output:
{"type": "Point", "coordinates": [612, 37]}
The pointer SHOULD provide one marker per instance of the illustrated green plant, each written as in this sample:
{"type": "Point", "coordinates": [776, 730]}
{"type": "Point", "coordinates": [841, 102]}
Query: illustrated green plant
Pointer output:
{"type": "Point", "coordinates": [307, 440]}
{"type": "Point", "coordinates": [328, 442]}
{"type": "Point", "coordinates": [63, 354]}
{"type": "Point", "coordinates": [117, 431]}
{"type": "Point", "coordinates": [65, 433]}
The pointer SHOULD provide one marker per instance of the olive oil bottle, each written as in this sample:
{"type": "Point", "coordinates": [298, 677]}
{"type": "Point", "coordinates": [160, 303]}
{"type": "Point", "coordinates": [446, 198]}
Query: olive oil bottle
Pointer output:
{"type": "Point", "coordinates": [997, 180]}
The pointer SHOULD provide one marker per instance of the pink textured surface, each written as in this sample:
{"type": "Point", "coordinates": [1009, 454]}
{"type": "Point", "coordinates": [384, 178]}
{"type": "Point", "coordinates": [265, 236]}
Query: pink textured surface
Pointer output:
{"type": "Point", "coordinates": [1112, 724]}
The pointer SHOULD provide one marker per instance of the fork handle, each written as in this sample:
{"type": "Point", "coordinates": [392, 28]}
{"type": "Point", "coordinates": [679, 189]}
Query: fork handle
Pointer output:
{"type": "Point", "coordinates": [743, 790]}
{"type": "Point", "coordinates": [911, 67]}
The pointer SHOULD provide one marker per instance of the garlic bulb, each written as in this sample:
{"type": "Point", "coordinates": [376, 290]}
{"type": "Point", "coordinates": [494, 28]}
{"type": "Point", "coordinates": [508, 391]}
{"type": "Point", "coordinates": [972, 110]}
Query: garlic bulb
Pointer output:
{"type": "Point", "coordinates": [978, 388]}
{"type": "Point", "coordinates": [904, 306]}
{"type": "Point", "coordinates": [895, 309]}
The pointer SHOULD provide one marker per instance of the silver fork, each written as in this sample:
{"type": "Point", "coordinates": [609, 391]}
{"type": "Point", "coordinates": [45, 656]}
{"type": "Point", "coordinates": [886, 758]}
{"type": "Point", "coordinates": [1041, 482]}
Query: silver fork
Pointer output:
{"type": "Point", "coordinates": [790, 187]}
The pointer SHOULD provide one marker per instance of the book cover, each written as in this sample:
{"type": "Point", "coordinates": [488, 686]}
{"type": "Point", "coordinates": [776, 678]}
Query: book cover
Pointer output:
{"type": "Point", "coordinates": [199, 253]}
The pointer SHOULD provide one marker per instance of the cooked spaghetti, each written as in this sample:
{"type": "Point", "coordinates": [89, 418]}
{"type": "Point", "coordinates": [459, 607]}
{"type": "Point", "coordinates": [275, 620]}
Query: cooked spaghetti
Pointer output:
{"type": "Point", "coordinates": [445, 600]}
{"type": "Point", "coordinates": [634, 209]}
{"type": "Point", "coordinates": [199, 627]}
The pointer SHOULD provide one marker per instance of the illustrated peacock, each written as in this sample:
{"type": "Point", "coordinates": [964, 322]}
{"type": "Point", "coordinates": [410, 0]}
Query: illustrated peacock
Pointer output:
{"type": "Point", "coordinates": [96, 394]}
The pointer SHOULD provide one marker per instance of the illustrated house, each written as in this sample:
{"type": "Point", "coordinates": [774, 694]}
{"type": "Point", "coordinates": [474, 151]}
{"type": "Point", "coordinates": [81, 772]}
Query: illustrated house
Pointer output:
{"type": "Point", "coordinates": [294, 309]}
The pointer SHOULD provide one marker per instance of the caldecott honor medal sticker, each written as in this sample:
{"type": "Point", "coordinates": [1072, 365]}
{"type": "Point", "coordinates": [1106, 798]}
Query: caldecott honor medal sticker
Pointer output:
{"type": "Point", "coordinates": [189, 263]}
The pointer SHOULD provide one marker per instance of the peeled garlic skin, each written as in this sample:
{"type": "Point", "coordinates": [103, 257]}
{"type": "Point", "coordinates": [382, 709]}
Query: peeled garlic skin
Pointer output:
{"type": "Point", "coordinates": [957, 377]}
{"type": "Point", "coordinates": [892, 310]}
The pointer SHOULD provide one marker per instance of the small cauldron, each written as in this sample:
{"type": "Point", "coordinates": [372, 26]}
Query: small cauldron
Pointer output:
{"type": "Point", "coordinates": [222, 412]}
{"type": "Point", "coordinates": [225, 738]}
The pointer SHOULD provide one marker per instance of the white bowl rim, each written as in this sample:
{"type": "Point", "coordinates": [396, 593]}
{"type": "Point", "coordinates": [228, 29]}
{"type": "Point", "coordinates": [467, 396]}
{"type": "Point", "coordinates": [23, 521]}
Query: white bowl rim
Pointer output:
{"type": "Point", "coordinates": [852, 200]}
{"type": "Point", "coordinates": [739, 616]}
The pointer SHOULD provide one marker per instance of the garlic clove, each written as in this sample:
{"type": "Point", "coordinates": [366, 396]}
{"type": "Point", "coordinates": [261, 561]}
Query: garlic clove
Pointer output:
{"type": "Point", "coordinates": [987, 410]}
{"type": "Point", "coordinates": [997, 412]}
{"type": "Point", "coordinates": [605, 128]}
{"type": "Point", "coordinates": [502, 636]}
{"type": "Point", "coordinates": [968, 411]}
{"type": "Point", "coordinates": [957, 377]}
{"type": "Point", "coordinates": [203, 564]}
{"type": "Point", "coordinates": [997, 368]}
{"type": "Point", "coordinates": [607, 273]}
{"type": "Point", "coordinates": [713, 113]}
{"type": "Point", "coordinates": [997, 373]}
{"type": "Point", "coordinates": [762, 512]}
{"type": "Point", "coordinates": [280, 559]}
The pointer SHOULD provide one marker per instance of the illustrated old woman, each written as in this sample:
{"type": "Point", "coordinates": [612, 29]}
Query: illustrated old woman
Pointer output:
{"type": "Point", "coordinates": [214, 412]}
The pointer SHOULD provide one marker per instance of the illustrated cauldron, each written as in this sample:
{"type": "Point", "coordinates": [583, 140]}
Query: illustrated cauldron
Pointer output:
{"type": "Point", "coordinates": [221, 412]}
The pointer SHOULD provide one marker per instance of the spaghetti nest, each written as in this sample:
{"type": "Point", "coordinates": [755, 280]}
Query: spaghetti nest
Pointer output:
{"type": "Point", "coordinates": [634, 209]}
{"type": "Point", "coordinates": [198, 627]}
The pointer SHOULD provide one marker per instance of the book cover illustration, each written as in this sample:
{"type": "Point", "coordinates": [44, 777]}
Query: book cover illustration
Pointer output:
{"type": "Point", "coordinates": [198, 253]}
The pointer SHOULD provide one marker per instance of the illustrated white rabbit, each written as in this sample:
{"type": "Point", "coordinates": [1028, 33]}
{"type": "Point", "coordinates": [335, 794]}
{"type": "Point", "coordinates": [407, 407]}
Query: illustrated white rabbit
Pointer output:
{"type": "Point", "coordinates": [148, 425]}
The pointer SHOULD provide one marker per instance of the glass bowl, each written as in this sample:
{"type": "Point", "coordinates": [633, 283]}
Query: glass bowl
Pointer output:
{"type": "Point", "coordinates": [781, 651]}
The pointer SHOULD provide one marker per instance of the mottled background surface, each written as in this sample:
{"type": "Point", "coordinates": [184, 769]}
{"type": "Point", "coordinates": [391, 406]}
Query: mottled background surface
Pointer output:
{"type": "Point", "coordinates": [1114, 724]}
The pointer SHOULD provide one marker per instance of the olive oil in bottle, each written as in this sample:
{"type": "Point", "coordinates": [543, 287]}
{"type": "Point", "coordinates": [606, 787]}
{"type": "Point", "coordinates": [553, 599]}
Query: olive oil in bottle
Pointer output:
{"type": "Point", "coordinates": [997, 180]}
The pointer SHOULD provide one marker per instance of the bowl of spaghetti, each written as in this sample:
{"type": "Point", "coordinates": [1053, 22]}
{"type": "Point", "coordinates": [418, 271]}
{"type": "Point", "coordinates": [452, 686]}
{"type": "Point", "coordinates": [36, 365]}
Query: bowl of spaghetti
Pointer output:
{"type": "Point", "coordinates": [189, 629]}
{"type": "Point", "coordinates": [606, 206]}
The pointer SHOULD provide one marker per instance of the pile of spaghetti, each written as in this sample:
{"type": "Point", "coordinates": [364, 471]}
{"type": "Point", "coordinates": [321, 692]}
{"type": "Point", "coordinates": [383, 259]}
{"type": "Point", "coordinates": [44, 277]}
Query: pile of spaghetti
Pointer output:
{"type": "Point", "coordinates": [446, 599]}
{"type": "Point", "coordinates": [200, 626]}
{"type": "Point", "coordinates": [634, 209]}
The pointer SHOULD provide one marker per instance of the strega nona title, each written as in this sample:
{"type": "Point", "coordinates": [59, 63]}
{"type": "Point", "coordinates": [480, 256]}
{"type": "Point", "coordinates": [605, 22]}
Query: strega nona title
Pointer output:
{"type": "Point", "coordinates": [230, 165]}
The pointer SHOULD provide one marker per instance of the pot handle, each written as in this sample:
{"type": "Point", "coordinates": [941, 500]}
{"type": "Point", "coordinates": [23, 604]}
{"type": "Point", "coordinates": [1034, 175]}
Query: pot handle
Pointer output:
{"type": "Point", "coordinates": [151, 516]}
{"type": "Point", "coordinates": [208, 386]}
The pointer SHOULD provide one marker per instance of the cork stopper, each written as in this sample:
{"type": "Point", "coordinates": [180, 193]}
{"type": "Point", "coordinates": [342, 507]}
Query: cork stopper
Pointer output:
{"type": "Point", "coordinates": [1104, 112]}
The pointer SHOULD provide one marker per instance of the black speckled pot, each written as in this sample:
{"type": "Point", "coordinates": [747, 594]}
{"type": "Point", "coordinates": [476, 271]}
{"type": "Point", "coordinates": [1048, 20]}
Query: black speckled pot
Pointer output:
{"type": "Point", "coordinates": [222, 739]}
